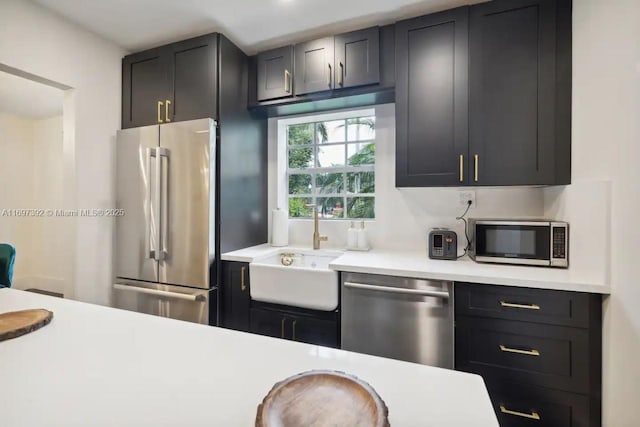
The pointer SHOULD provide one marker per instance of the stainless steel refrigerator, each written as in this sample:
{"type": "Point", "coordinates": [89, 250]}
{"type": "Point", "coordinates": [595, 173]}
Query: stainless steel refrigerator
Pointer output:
{"type": "Point", "coordinates": [165, 246]}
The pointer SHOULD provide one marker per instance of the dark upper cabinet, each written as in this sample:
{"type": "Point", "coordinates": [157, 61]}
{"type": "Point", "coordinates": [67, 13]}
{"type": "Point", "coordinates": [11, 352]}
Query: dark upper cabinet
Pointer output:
{"type": "Point", "coordinates": [357, 58]}
{"type": "Point", "coordinates": [145, 87]}
{"type": "Point", "coordinates": [175, 82]}
{"type": "Point", "coordinates": [520, 92]}
{"type": "Point", "coordinates": [432, 99]}
{"type": "Point", "coordinates": [314, 66]}
{"type": "Point", "coordinates": [275, 73]}
{"type": "Point", "coordinates": [193, 77]}
{"type": "Point", "coordinates": [235, 296]}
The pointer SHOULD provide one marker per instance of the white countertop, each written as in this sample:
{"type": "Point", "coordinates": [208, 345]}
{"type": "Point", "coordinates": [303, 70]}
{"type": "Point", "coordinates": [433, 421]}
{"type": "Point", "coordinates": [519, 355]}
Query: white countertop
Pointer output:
{"type": "Point", "coordinates": [418, 265]}
{"type": "Point", "coordinates": [100, 366]}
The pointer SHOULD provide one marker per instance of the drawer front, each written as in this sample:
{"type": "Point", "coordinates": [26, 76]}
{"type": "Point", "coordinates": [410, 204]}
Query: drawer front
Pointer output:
{"type": "Point", "coordinates": [519, 405]}
{"type": "Point", "coordinates": [525, 304]}
{"type": "Point", "coordinates": [548, 356]}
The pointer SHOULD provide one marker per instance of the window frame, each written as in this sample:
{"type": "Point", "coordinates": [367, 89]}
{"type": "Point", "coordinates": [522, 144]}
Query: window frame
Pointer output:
{"type": "Point", "coordinates": [283, 160]}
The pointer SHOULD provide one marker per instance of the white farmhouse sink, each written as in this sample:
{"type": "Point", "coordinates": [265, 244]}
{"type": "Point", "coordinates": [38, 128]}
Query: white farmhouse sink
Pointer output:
{"type": "Point", "coordinates": [307, 282]}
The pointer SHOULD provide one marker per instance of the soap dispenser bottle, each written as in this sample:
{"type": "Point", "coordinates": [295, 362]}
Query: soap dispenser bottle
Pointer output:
{"type": "Point", "coordinates": [352, 237]}
{"type": "Point", "coordinates": [363, 239]}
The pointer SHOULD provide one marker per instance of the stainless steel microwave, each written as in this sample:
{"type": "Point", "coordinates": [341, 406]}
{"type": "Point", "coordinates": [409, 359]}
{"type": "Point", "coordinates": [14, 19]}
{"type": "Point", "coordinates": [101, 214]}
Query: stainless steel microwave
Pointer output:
{"type": "Point", "coordinates": [527, 242]}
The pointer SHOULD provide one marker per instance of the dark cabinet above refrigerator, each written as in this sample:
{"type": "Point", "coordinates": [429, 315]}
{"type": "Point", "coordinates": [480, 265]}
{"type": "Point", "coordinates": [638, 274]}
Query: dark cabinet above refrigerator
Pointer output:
{"type": "Point", "coordinates": [176, 82]}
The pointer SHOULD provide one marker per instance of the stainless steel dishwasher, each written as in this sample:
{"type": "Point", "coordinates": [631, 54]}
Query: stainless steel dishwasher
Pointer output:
{"type": "Point", "coordinates": [398, 318]}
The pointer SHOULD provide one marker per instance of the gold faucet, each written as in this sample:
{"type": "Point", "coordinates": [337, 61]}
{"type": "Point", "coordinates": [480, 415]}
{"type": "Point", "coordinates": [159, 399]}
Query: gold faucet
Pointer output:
{"type": "Point", "coordinates": [317, 238]}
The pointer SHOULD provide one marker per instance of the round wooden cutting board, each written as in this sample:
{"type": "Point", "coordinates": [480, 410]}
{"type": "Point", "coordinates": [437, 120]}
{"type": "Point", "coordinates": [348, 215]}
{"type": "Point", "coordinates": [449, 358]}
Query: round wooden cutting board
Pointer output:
{"type": "Point", "coordinates": [322, 399]}
{"type": "Point", "coordinates": [17, 323]}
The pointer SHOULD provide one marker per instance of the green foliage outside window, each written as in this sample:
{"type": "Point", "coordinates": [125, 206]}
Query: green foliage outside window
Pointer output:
{"type": "Point", "coordinates": [335, 159]}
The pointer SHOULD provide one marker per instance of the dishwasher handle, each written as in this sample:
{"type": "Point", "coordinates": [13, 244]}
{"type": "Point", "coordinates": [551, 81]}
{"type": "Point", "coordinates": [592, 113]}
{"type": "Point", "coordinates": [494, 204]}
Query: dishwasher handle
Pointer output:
{"type": "Point", "coordinates": [393, 290]}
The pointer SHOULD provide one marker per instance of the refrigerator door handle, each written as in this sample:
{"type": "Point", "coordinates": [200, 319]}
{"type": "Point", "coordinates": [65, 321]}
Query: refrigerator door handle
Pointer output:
{"type": "Point", "coordinates": [157, 200]}
{"type": "Point", "coordinates": [148, 214]}
{"type": "Point", "coordinates": [176, 295]}
{"type": "Point", "coordinates": [163, 185]}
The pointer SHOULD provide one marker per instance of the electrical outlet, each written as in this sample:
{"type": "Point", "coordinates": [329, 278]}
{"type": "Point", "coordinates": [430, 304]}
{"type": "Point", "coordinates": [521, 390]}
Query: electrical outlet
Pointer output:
{"type": "Point", "coordinates": [467, 195]}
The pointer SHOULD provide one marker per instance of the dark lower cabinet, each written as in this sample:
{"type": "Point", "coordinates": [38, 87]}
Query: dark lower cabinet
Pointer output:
{"type": "Point", "coordinates": [306, 326]}
{"type": "Point", "coordinates": [518, 406]}
{"type": "Point", "coordinates": [235, 296]}
{"type": "Point", "coordinates": [431, 99]}
{"type": "Point", "coordinates": [539, 352]}
{"type": "Point", "coordinates": [520, 92]}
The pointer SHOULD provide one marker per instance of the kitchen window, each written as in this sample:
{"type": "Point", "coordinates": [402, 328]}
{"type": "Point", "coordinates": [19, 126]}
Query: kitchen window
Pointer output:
{"type": "Point", "coordinates": [331, 163]}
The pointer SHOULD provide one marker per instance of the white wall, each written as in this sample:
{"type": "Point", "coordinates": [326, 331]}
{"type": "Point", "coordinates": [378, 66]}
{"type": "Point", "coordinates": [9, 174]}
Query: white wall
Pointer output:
{"type": "Point", "coordinates": [31, 170]}
{"type": "Point", "coordinates": [16, 184]}
{"type": "Point", "coordinates": [404, 216]}
{"type": "Point", "coordinates": [606, 146]}
{"type": "Point", "coordinates": [37, 41]}
{"type": "Point", "coordinates": [51, 252]}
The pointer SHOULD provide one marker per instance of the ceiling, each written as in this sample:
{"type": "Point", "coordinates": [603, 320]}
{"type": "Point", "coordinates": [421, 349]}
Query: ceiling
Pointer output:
{"type": "Point", "coordinates": [252, 24]}
{"type": "Point", "coordinates": [26, 98]}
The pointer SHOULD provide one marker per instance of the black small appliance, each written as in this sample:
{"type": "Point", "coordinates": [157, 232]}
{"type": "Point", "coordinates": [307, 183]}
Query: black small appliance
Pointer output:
{"type": "Point", "coordinates": [443, 244]}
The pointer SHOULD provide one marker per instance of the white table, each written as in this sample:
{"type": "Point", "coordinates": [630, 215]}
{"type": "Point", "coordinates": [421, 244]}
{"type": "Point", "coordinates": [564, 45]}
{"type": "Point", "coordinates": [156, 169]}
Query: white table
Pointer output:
{"type": "Point", "coordinates": [98, 366]}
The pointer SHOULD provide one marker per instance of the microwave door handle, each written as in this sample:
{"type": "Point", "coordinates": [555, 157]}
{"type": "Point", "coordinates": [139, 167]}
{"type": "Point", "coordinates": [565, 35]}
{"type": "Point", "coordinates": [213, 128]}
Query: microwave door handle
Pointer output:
{"type": "Point", "coordinates": [393, 290]}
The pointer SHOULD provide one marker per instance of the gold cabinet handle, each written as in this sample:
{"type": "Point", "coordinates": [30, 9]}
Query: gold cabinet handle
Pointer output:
{"type": "Point", "coordinates": [243, 285]}
{"type": "Point", "coordinates": [532, 416]}
{"type": "Point", "coordinates": [461, 167]}
{"type": "Point", "coordinates": [522, 306]}
{"type": "Point", "coordinates": [475, 161]}
{"type": "Point", "coordinates": [160, 103]}
{"type": "Point", "coordinates": [532, 352]}
{"type": "Point", "coordinates": [329, 75]}
{"type": "Point", "coordinates": [166, 111]}
{"type": "Point", "coordinates": [341, 75]}
{"type": "Point", "coordinates": [287, 81]}
{"type": "Point", "coordinates": [282, 328]}
{"type": "Point", "coordinates": [294, 329]}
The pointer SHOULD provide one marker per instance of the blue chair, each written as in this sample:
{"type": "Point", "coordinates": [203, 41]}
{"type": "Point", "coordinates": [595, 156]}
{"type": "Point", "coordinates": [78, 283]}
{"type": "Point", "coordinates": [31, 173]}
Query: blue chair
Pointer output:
{"type": "Point", "coordinates": [7, 261]}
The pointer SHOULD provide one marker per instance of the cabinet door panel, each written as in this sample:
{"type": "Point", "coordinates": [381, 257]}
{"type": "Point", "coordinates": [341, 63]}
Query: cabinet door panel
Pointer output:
{"type": "Point", "coordinates": [314, 66]}
{"type": "Point", "coordinates": [525, 304]}
{"type": "Point", "coordinates": [357, 58]}
{"type": "Point", "coordinates": [275, 73]}
{"type": "Point", "coordinates": [543, 355]}
{"type": "Point", "coordinates": [520, 405]}
{"type": "Point", "coordinates": [268, 322]}
{"type": "Point", "coordinates": [194, 79]}
{"type": "Point", "coordinates": [314, 331]}
{"type": "Point", "coordinates": [512, 92]}
{"type": "Point", "coordinates": [236, 298]}
{"type": "Point", "coordinates": [145, 82]}
{"type": "Point", "coordinates": [431, 99]}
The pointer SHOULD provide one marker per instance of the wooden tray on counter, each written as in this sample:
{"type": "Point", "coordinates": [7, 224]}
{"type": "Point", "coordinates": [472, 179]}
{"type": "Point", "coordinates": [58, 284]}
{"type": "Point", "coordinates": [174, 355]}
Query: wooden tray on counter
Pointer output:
{"type": "Point", "coordinates": [322, 399]}
{"type": "Point", "coordinates": [17, 323]}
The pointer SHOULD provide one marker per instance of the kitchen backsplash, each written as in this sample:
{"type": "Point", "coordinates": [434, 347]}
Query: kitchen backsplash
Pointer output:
{"type": "Point", "coordinates": [404, 216]}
